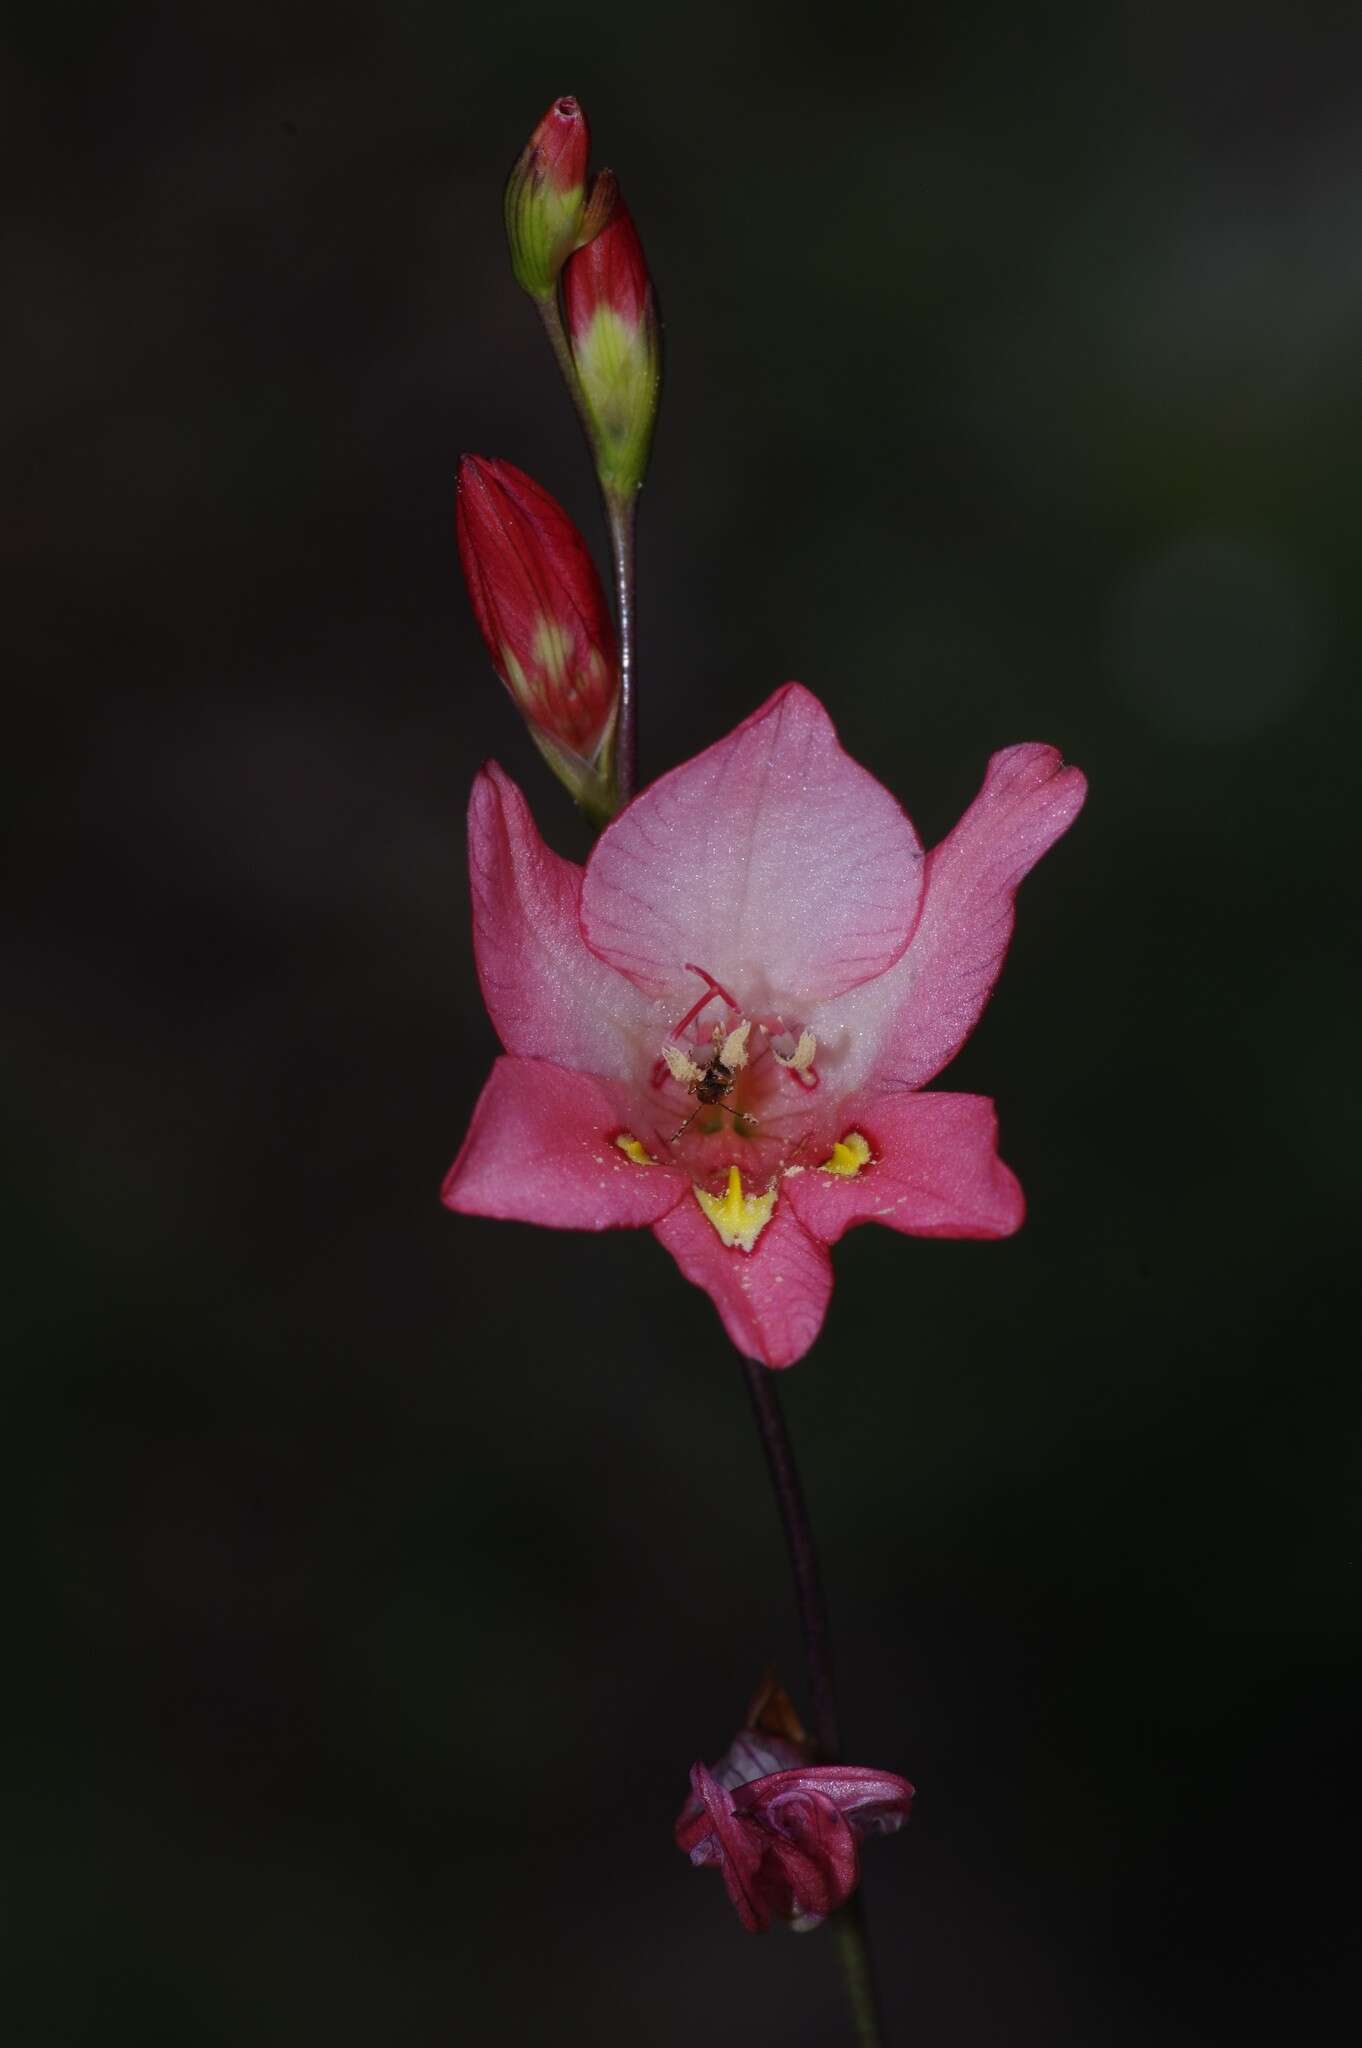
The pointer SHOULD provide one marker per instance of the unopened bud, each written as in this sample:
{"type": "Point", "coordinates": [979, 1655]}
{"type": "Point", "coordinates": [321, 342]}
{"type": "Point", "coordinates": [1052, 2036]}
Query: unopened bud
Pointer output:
{"type": "Point", "coordinates": [612, 326]}
{"type": "Point", "coordinates": [548, 213]}
{"type": "Point", "coordinates": [543, 614]}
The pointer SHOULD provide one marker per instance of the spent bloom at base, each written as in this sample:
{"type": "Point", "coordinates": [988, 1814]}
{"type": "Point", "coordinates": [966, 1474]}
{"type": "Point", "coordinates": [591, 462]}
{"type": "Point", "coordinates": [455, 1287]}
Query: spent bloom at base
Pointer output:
{"type": "Point", "coordinates": [612, 326]}
{"type": "Point", "coordinates": [540, 608]}
{"type": "Point", "coordinates": [785, 1833]}
{"type": "Point", "coordinates": [722, 1026]}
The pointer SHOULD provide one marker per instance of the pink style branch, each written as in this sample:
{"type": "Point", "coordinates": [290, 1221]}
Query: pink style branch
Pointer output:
{"type": "Point", "coordinates": [721, 1028]}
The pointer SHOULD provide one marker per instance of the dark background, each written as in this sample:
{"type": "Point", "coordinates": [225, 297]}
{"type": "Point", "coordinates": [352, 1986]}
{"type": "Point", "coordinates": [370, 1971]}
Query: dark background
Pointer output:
{"type": "Point", "coordinates": [379, 1574]}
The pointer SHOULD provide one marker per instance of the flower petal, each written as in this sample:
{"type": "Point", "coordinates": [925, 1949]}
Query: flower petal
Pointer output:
{"type": "Point", "coordinates": [906, 1026]}
{"type": "Point", "coordinates": [772, 1300]}
{"type": "Point", "coordinates": [719, 1837]}
{"type": "Point", "coordinates": [934, 1172]}
{"type": "Point", "coordinates": [541, 1149]}
{"type": "Point", "coordinates": [772, 860]}
{"type": "Point", "coordinates": [874, 1802]}
{"type": "Point", "coordinates": [811, 1847]}
{"type": "Point", "coordinates": [546, 992]}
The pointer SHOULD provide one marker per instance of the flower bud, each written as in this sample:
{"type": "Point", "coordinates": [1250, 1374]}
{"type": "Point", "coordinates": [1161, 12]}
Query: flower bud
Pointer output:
{"type": "Point", "coordinates": [546, 198]}
{"type": "Point", "coordinates": [612, 326]}
{"type": "Point", "coordinates": [542, 612]}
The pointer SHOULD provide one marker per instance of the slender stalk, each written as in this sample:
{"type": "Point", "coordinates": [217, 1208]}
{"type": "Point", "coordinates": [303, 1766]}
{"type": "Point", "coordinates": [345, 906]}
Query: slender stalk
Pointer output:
{"type": "Point", "coordinates": [848, 1922]}
{"type": "Point", "coordinates": [855, 1955]}
{"type": "Point", "coordinates": [552, 318]}
{"type": "Point", "coordinates": [794, 1515]}
{"type": "Point", "coordinates": [621, 509]}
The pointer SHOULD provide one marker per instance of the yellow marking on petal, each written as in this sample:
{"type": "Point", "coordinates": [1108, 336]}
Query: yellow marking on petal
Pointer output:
{"type": "Point", "coordinates": [632, 1149]}
{"type": "Point", "coordinates": [739, 1218]}
{"type": "Point", "coordinates": [849, 1155]}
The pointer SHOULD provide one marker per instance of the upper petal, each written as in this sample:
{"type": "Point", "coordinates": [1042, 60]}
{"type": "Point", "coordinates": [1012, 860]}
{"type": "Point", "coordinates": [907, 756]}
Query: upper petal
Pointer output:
{"type": "Point", "coordinates": [541, 1149]}
{"type": "Point", "coordinates": [935, 1172]}
{"type": "Point", "coordinates": [772, 859]}
{"type": "Point", "coordinates": [546, 992]}
{"type": "Point", "coordinates": [772, 1300]}
{"type": "Point", "coordinates": [874, 1802]}
{"type": "Point", "coordinates": [904, 1028]}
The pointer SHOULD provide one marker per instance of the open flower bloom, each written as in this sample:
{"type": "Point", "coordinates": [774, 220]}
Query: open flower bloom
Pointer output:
{"type": "Point", "coordinates": [720, 1026]}
{"type": "Point", "coordinates": [787, 1841]}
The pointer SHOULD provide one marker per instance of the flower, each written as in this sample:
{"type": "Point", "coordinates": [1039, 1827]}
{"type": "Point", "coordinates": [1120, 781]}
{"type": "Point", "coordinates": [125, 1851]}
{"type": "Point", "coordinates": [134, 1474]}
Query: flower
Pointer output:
{"type": "Point", "coordinates": [612, 325]}
{"type": "Point", "coordinates": [542, 612]}
{"type": "Point", "coordinates": [720, 1027]}
{"type": "Point", "coordinates": [787, 1839]}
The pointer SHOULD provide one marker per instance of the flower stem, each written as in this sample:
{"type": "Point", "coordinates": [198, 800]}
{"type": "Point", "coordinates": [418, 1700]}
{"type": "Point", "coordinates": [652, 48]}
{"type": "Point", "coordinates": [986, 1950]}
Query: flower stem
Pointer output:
{"type": "Point", "coordinates": [562, 354]}
{"type": "Point", "coordinates": [794, 1514]}
{"type": "Point", "coordinates": [848, 1922]}
{"type": "Point", "coordinates": [858, 1971]}
{"type": "Point", "coordinates": [620, 511]}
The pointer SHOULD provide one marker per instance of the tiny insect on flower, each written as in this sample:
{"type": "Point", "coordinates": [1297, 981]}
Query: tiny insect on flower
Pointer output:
{"type": "Point", "coordinates": [753, 1119]}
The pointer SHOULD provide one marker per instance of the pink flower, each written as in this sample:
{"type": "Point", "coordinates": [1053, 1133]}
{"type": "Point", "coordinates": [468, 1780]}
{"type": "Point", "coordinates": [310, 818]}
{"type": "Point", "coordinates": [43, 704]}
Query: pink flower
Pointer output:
{"type": "Point", "coordinates": [786, 1840]}
{"type": "Point", "coordinates": [720, 1026]}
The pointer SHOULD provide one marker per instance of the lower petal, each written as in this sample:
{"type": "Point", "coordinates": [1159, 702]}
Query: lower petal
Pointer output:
{"type": "Point", "coordinates": [541, 1149]}
{"type": "Point", "coordinates": [771, 1300]}
{"type": "Point", "coordinates": [734, 1844]}
{"type": "Point", "coordinates": [934, 1171]}
{"type": "Point", "coordinates": [816, 1853]}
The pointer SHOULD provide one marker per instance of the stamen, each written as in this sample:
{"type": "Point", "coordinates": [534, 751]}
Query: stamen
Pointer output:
{"type": "Point", "coordinates": [733, 1052]}
{"type": "Point", "coordinates": [799, 1063]}
{"type": "Point", "coordinates": [682, 1067]}
{"type": "Point", "coordinates": [801, 1059]}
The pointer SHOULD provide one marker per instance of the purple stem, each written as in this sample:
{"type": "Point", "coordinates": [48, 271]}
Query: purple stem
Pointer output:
{"type": "Point", "coordinates": [848, 1922]}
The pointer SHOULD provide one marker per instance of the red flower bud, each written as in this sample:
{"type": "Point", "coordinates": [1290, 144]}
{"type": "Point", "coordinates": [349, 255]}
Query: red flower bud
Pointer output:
{"type": "Point", "coordinates": [546, 197]}
{"type": "Point", "coordinates": [612, 325]}
{"type": "Point", "coordinates": [541, 609]}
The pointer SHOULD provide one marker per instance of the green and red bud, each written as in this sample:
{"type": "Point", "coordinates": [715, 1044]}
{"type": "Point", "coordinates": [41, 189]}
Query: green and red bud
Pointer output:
{"type": "Point", "coordinates": [542, 611]}
{"type": "Point", "coordinates": [613, 330]}
{"type": "Point", "coordinates": [549, 210]}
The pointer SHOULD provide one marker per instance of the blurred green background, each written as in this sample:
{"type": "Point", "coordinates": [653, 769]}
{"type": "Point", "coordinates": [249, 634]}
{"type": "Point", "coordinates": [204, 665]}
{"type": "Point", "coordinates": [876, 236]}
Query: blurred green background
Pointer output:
{"type": "Point", "coordinates": [380, 1574]}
